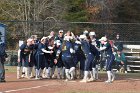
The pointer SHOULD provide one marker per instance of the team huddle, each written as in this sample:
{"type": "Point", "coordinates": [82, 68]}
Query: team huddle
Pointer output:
{"type": "Point", "coordinates": [60, 56]}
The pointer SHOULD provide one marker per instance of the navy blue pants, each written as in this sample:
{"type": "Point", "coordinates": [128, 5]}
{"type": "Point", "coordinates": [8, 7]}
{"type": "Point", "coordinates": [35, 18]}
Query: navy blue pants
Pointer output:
{"type": "Point", "coordinates": [110, 60]}
{"type": "Point", "coordinates": [88, 62]}
{"type": "Point", "coordinates": [40, 61]}
{"type": "Point", "coordinates": [24, 61]}
{"type": "Point", "coordinates": [95, 62]}
{"type": "Point", "coordinates": [32, 60]}
{"type": "Point", "coordinates": [81, 59]}
{"type": "Point", "coordinates": [67, 60]}
{"type": "Point", "coordinates": [46, 61]}
{"type": "Point", "coordinates": [59, 63]}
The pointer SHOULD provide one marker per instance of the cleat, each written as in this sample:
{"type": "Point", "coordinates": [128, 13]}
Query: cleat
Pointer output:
{"type": "Point", "coordinates": [108, 81]}
{"type": "Point", "coordinates": [58, 77]}
{"type": "Point", "coordinates": [113, 78]}
{"type": "Point", "coordinates": [84, 81]}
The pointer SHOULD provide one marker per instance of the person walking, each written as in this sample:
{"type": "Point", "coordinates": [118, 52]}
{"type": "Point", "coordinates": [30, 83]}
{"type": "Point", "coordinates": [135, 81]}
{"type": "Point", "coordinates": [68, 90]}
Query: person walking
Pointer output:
{"type": "Point", "coordinates": [3, 55]}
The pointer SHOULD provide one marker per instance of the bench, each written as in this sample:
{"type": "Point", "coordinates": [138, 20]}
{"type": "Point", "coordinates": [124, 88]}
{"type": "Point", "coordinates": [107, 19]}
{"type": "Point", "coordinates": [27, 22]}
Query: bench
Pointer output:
{"type": "Point", "coordinates": [133, 61]}
{"type": "Point", "coordinates": [132, 46]}
{"type": "Point", "coordinates": [133, 57]}
{"type": "Point", "coordinates": [133, 52]}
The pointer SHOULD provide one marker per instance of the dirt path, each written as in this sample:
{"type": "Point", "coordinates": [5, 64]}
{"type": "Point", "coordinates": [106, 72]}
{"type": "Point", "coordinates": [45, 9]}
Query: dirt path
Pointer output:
{"type": "Point", "coordinates": [123, 84]}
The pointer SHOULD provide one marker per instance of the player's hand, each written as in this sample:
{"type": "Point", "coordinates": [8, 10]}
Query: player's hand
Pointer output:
{"type": "Point", "coordinates": [122, 62]}
{"type": "Point", "coordinates": [18, 60]}
{"type": "Point", "coordinates": [51, 52]}
{"type": "Point", "coordinates": [55, 61]}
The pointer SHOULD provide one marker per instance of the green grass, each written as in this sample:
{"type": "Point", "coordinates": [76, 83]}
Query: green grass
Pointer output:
{"type": "Point", "coordinates": [10, 69]}
{"type": "Point", "coordinates": [13, 69]}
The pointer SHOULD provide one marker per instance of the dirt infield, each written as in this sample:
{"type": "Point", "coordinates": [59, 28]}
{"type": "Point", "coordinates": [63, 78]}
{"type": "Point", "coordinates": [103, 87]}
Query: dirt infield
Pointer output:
{"type": "Point", "coordinates": [124, 83]}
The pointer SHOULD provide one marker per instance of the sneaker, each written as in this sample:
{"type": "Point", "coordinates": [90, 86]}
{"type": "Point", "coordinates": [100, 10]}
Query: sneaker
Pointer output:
{"type": "Point", "coordinates": [108, 81]}
{"type": "Point", "coordinates": [117, 71]}
{"type": "Point", "coordinates": [58, 77]}
{"type": "Point", "coordinates": [53, 76]}
{"type": "Point", "coordinates": [84, 81]}
{"type": "Point", "coordinates": [63, 77]}
{"type": "Point", "coordinates": [23, 75]}
{"type": "Point", "coordinates": [67, 80]}
{"type": "Point", "coordinates": [31, 76]}
{"type": "Point", "coordinates": [37, 78]}
{"type": "Point", "coordinates": [91, 79]}
{"type": "Point", "coordinates": [113, 78]}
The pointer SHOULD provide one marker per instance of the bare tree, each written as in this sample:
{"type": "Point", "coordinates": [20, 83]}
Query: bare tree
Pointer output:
{"type": "Point", "coordinates": [32, 12]}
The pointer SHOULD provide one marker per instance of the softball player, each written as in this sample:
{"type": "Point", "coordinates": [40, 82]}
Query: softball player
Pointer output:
{"type": "Point", "coordinates": [50, 57]}
{"type": "Point", "coordinates": [85, 43]}
{"type": "Point", "coordinates": [58, 59]}
{"type": "Point", "coordinates": [40, 57]}
{"type": "Point", "coordinates": [110, 58]}
{"type": "Point", "coordinates": [67, 56]}
{"type": "Point", "coordinates": [95, 62]}
{"type": "Point", "coordinates": [79, 57]}
{"type": "Point", "coordinates": [24, 58]}
{"type": "Point", "coordinates": [3, 55]}
{"type": "Point", "coordinates": [60, 37]}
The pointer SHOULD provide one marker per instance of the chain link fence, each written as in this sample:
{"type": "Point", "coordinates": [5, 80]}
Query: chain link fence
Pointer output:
{"type": "Point", "coordinates": [21, 30]}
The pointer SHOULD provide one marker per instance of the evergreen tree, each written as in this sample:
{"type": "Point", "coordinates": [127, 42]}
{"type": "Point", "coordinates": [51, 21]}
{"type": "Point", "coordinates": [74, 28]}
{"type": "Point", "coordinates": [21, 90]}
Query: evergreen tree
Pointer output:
{"type": "Point", "coordinates": [76, 11]}
{"type": "Point", "coordinates": [128, 11]}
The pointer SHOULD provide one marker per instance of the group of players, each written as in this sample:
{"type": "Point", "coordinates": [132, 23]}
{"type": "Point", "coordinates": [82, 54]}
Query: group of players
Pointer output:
{"type": "Point", "coordinates": [65, 53]}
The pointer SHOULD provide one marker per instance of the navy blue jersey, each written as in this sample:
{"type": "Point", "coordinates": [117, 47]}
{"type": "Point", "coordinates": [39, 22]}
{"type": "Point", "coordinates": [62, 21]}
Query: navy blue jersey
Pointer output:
{"type": "Point", "coordinates": [94, 51]}
{"type": "Point", "coordinates": [40, 47]}
{"type": "Point", "coordinates": [78, 51]}
{"type": "Point", "coordinates": [66, 46]}
{"type": "Point", "coordinates": [25, 49]}
{"type": "Point", "coordinates": [86, 47]}
{"type": "Point", "coordinates": [76, 47]}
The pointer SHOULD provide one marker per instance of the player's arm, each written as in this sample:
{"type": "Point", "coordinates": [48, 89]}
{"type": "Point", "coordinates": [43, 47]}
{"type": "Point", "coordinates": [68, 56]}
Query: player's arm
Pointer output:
{"type": "Point", "coordinates": [45, 51]}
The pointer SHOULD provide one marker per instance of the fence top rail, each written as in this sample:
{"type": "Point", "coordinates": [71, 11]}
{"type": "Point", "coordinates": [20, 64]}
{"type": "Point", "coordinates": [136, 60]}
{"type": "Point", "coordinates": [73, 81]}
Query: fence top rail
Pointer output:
{"type": "Point", "coordinates": [68, 22]}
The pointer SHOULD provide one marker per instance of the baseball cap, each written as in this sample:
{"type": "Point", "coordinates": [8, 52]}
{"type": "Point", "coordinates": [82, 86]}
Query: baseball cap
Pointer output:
{"type": "Point", "coordinates": [58, 42]}
{"type": "Point", "coordinates": [82, 36]}
{"type": "Point", "coordinates": [85, 32]}
{"type": "Point", "coordinates": [43, 38]}
{"type": "Point", "coordinates": [61, 31]}
{"type": "Point", "coordinates": [92, 34]}
{"type": "Point", "coordinates": [103, 39]}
